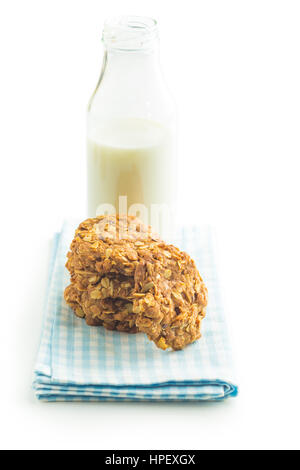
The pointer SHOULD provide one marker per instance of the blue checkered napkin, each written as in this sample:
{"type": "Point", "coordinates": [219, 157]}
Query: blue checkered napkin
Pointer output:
{"type": "Point", "coordinates": [77, 362]}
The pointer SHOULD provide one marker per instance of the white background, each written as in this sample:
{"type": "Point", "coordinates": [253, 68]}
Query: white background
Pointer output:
{"type": "Point", "coordinates": [233, 68]}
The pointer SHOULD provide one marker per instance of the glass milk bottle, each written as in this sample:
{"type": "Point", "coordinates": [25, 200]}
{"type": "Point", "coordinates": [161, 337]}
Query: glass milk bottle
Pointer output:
{"type": "Point", "coordinates": [131, 129]}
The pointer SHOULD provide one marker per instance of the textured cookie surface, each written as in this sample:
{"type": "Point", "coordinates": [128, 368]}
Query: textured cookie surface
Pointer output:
{"type": "Point", "coordinates": [125, 277]}
{"type": "Point", "coordinates": [102, 261]}
{"type": "Point", "coordinates": [171, 298]}
{"type": "Point", "coordinates": [109, 244]}
{"type": "Point", "coordinates": [113, 314]}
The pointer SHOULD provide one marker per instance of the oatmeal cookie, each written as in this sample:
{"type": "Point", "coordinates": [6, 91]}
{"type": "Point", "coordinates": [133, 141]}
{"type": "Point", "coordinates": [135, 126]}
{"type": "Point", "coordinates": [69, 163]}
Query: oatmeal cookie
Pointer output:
{"type": "Point", "coordinates": [125, 277]}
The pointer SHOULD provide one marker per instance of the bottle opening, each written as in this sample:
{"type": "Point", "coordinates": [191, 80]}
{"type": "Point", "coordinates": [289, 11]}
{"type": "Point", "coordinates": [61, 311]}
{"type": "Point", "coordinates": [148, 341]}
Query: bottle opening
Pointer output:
{"type": "Point", "coordinates": [130, 33]}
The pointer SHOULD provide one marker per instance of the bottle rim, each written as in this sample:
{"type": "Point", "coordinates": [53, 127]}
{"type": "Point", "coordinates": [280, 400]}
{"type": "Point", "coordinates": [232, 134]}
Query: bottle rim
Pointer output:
{"type": "Point", "coordinates": [130, 33]}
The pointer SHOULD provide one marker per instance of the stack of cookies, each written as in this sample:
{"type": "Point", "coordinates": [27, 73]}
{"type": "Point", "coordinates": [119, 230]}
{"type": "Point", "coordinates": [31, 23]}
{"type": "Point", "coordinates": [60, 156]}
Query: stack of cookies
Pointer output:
{"type": "Point", "coordinates": [126, 278]}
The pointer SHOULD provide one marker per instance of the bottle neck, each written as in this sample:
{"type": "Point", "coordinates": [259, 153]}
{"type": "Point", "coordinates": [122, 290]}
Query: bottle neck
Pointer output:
{"type": "Point", "coordinates": [131, 82]}
{"type": "Point", "coordinates": [124, 65]}
{"type": "Point", "coordinates": [130, 33]}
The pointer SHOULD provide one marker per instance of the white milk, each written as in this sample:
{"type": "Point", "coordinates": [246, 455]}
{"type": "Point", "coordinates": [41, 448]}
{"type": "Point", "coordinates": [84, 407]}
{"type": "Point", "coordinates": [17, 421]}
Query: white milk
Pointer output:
{"type": "Point", "coordinates": [133, 158]}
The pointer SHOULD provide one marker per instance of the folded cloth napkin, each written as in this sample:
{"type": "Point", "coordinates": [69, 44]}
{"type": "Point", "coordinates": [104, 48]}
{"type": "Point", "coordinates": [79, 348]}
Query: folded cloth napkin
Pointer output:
{"type": "Point", "coordinates": [77, 362]}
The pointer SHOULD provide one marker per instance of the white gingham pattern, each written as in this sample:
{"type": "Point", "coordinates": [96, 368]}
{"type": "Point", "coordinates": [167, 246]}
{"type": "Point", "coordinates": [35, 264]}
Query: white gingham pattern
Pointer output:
{"type": "Point", "coordinates": [81, 363]}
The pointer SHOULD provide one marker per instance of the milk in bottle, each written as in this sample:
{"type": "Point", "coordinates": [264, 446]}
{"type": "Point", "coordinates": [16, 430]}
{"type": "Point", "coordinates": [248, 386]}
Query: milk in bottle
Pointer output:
{"type": "Point", "coordinates": [131, 160]}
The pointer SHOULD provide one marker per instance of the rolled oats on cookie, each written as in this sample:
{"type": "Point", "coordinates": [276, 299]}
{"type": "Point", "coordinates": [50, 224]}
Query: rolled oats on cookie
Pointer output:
{"type": "Point", "coordinates": [170, 298]}
{"type": "Point", "coordinates": [113, 314]}
{"type": "Point", "coordinates": [125, 277]}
